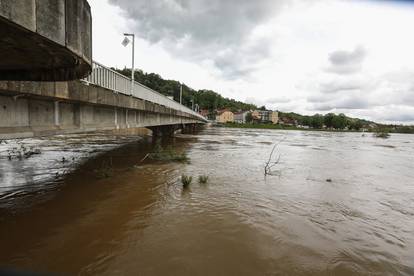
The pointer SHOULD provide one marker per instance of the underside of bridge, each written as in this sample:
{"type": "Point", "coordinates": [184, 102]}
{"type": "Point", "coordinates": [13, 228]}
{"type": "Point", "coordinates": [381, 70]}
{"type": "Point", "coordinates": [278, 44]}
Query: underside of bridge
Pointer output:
{"type": "Point", "coordinates": [45, 40]}
{"type": "Point", "coordinates": [30, 109]}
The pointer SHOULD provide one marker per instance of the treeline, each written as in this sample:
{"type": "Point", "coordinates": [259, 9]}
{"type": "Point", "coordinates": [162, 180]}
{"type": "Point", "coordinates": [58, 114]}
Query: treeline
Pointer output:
{"type": "Point", "coordinates": [206, 99]}
{"type": "Point", "coordinates": [341, 122]}
{"type": "Point", "coordinates": [330, 121]}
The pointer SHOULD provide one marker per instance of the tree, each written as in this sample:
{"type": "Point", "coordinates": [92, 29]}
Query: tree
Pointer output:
{"type": "Point", "coordinates": [355, 124]}
{"type": "Point", "coordinates": [339, 121]}
{"type": "Point", "coordinates": [249, 117]}
{"type": "Point", "coordinates": [317, 121]}
{"type": "Point", "coordinates": [262, 108]}
{"type": "Point", "coordinates": [328, 120]}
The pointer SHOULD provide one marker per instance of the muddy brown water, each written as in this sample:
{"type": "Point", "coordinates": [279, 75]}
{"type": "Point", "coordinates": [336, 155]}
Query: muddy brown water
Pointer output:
{"type": "Point", "coordinates": [59, 214]}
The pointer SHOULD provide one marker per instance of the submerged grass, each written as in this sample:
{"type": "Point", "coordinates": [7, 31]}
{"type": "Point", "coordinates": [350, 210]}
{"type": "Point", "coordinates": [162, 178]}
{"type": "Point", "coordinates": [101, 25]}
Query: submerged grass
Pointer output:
{"type": "Point", "coordinates": [203, 179]}
{"type": "Point", "coordinates": [186, 180]}
{"type": "Point", "coordinates": [168, 154]}
{"type": "Point", "coordinates": [382, 134]}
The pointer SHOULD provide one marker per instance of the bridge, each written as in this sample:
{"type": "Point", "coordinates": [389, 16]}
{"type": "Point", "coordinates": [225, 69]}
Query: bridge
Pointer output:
{"type": "Point", "coordinates": [50, 85]}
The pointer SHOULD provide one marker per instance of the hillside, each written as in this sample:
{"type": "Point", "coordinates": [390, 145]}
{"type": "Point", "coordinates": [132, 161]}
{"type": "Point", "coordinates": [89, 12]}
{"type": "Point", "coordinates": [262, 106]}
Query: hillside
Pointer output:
{"type": "Point", "coordinates": [206, 99]}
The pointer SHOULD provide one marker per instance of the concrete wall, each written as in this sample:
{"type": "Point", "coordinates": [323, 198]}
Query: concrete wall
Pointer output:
{"type": "Point", "coordinates": [45, 39]}
{"type": "Point", "coordinates": [29, 109]}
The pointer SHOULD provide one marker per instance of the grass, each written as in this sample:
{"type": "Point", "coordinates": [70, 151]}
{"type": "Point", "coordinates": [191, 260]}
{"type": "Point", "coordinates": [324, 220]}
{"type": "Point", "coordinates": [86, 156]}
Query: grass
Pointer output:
{"type": "Point", "coordinates": [186, 180]}
{"type": "Point", "coordinates": [384, 134]}
{"type": "Point", "coordinates": [168, 154]}
{"type": "Point", "coordinates": [203, 179]}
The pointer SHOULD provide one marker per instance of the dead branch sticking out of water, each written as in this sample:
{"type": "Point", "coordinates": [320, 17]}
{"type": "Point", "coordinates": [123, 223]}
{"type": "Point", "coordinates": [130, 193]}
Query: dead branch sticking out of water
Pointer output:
{"type": "Point", "coordinates": [270, 162]}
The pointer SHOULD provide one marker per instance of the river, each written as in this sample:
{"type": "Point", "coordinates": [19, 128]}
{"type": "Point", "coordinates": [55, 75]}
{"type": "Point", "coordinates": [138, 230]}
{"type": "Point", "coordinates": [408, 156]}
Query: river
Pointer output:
{"type": "Point", "coordinates": [335, 204]}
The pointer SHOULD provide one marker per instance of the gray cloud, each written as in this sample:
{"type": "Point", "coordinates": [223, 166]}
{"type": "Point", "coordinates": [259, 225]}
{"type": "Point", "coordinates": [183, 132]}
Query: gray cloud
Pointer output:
{"type": "Point", "coordinates": [346, 62]}
{"type": "Point", "coordinates": [349, 102]}
{"type": "Point", "coordinates": [278, 100]}
{"type": "Point", "coordinates": [199, 30]}
{"type": "Point", "coordinates": [340, 86]}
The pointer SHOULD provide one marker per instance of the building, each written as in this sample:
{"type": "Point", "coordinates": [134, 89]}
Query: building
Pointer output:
{"type": "Point", "coordinates": [274, 117]}
{"type": "Point", "coordinates": [224, 116]}
{"type": "Point", "coordinates": [265, 116]}
{"type": "Point", "coordinates": [204, 113]}
{"type": "Point", "coordinates": [240, 117]}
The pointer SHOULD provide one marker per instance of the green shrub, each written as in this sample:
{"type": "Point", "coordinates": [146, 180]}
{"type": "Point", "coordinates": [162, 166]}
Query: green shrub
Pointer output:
{"type": "Point", "coordinates": [186, 180]}
{"type": "Point", "coordinates": [168, 154]}
{"type": "Point", "coordinates": [381, 133]}
{"type": "Point", "coordinates": [203, 179]}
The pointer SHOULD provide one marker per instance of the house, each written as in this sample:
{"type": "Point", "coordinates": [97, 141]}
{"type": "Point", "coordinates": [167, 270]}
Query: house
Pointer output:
{"type": "Point", "coordinates": [204, 113]}
{"type": "Point", "coordinates": [265, 116]}
{"type": "Point", "coordinates": [288, 121]}
{"type": "Point", "coordinates": [274, 117]}
{"type": "Point", "coordinates": [224, 116]}
{"type": "Point", "coordinates": [256, 116]}
{"type": "Point", "coordinates": [240, 117]}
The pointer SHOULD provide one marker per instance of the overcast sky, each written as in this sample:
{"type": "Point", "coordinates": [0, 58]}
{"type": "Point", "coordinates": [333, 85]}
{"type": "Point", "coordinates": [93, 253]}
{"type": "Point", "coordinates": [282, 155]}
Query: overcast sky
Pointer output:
{"type": "Point", "coordinates": [311, 56]}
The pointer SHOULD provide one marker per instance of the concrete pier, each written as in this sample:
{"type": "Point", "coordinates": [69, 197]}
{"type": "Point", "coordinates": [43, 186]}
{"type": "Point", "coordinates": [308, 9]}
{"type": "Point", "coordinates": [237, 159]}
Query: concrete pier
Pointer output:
{"type": "Point", "coordinates": [45, 40]}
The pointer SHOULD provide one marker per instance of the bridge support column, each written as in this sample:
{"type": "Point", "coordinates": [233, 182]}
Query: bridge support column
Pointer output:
{"type": "Point", "coordinates": [164, 131]}
{"type": "Point", "coordinates": [116, 118]}
{"type": "Point", "coordinates": [57, 111]}
{"type": "Point", "coordinates": [190, 128]}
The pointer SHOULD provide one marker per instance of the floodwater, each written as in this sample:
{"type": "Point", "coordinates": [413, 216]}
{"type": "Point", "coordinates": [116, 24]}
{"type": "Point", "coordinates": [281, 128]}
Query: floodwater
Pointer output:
{"type": "Point", "coordinates": [335, 204]}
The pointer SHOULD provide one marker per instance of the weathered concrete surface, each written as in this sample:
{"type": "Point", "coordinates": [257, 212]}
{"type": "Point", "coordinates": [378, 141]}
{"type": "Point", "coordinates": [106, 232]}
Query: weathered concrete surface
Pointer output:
{"type": "Point", "coordinates": [29, 109]}
{"type": "Point", "coordinates": [45, 40]}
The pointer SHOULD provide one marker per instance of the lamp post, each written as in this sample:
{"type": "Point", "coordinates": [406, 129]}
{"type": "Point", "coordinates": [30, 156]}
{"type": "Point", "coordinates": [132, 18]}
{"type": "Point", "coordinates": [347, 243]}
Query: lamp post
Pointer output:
{"type": "Point", "coordinates": [125, 43]}
{"type": "Point", "coordinates": [181, 94]}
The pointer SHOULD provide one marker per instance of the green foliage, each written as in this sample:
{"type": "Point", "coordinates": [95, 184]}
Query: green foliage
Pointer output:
{"type": "Point", "coordinates": [382, 133]}
{"type": "Point", "coordinates": [186, 180]}
{"type": "Point", "coordinates": [203, 179]}
{"type": "Point", "coordinates": [355, 124]}
{"type": "Point", "coordinates": [249, 117]}
{"type": "Point", "coordinates": [317, 121]}
{"type": "Point", "coordinates": [339, 121]}
{"type": "Point", "coordinates": [168, 154]}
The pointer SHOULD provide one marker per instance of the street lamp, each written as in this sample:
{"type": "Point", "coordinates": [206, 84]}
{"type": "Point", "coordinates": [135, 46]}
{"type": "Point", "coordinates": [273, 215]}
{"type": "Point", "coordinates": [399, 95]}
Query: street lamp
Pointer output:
{"type": "Point", "coordinates": [125, 42]}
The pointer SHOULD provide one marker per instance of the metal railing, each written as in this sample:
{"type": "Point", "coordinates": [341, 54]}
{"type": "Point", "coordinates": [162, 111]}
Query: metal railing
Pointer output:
{"type": "Point", "coordinates": [105, 77]}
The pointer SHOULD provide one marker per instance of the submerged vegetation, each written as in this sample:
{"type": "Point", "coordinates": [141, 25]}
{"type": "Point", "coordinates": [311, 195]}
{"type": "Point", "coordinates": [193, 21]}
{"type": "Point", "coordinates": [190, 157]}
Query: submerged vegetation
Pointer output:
{"type": "Point", "coordinates": [186, 180]}
{"type": "Point", "coordinates": [203, 179]}
{"type": "Point", "coordinates": [167, 154]}
{"type": "Point", "coordinates": [381, 133]}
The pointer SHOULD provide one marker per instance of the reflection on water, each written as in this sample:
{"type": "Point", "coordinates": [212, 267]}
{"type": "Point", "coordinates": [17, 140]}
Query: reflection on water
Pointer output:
{"type": "Point", "coordinates": [140, 220]}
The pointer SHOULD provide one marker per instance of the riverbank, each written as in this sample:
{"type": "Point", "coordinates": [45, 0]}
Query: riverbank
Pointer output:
{"type": "Point", "coordinates": [282, 127]}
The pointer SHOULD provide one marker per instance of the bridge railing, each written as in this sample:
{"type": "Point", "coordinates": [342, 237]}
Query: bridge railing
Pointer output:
{"type": "Point", "coordinates": [110, 79]}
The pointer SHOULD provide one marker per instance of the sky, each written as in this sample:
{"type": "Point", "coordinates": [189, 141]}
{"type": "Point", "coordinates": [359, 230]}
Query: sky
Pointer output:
{"type": "Point", "coordinates": [315, 56]}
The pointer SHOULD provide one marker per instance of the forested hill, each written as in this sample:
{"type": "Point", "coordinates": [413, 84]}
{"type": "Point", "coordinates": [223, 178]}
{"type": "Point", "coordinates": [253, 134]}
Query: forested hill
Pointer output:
{"type": "Point", "coordinates": [206, 99]}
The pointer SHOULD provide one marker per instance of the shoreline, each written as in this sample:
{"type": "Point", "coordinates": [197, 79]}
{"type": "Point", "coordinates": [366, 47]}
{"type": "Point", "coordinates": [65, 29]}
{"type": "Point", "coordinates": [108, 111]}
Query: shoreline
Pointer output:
{"type": "Point", "coordinates": [280, 127]}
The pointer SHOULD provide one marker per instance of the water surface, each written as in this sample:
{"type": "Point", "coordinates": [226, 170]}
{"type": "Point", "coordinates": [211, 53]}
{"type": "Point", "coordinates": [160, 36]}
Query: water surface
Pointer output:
{"type": "Point", "coordinates": [140, 221]}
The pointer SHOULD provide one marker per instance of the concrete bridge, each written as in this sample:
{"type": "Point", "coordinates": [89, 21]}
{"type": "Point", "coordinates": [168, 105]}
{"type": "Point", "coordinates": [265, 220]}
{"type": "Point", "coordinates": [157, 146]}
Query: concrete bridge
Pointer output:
{"type": "Point", "coordinates": [51, 86]}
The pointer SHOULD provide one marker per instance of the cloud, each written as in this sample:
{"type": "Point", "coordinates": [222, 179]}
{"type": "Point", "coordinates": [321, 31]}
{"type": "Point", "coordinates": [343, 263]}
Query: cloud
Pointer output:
{"type": "Point", "coordinates": [342, 103]}
{"type": "Point", "coordinates": [346, 62]}
{"type": "Point", "coordinates": [222, 32]}
{"type": "Point", "coordinates": [341, 86]}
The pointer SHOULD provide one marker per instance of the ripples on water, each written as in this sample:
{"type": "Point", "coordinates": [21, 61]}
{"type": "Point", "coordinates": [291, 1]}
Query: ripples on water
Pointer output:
{"type": "Point", "coordinates": [141, 221]}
